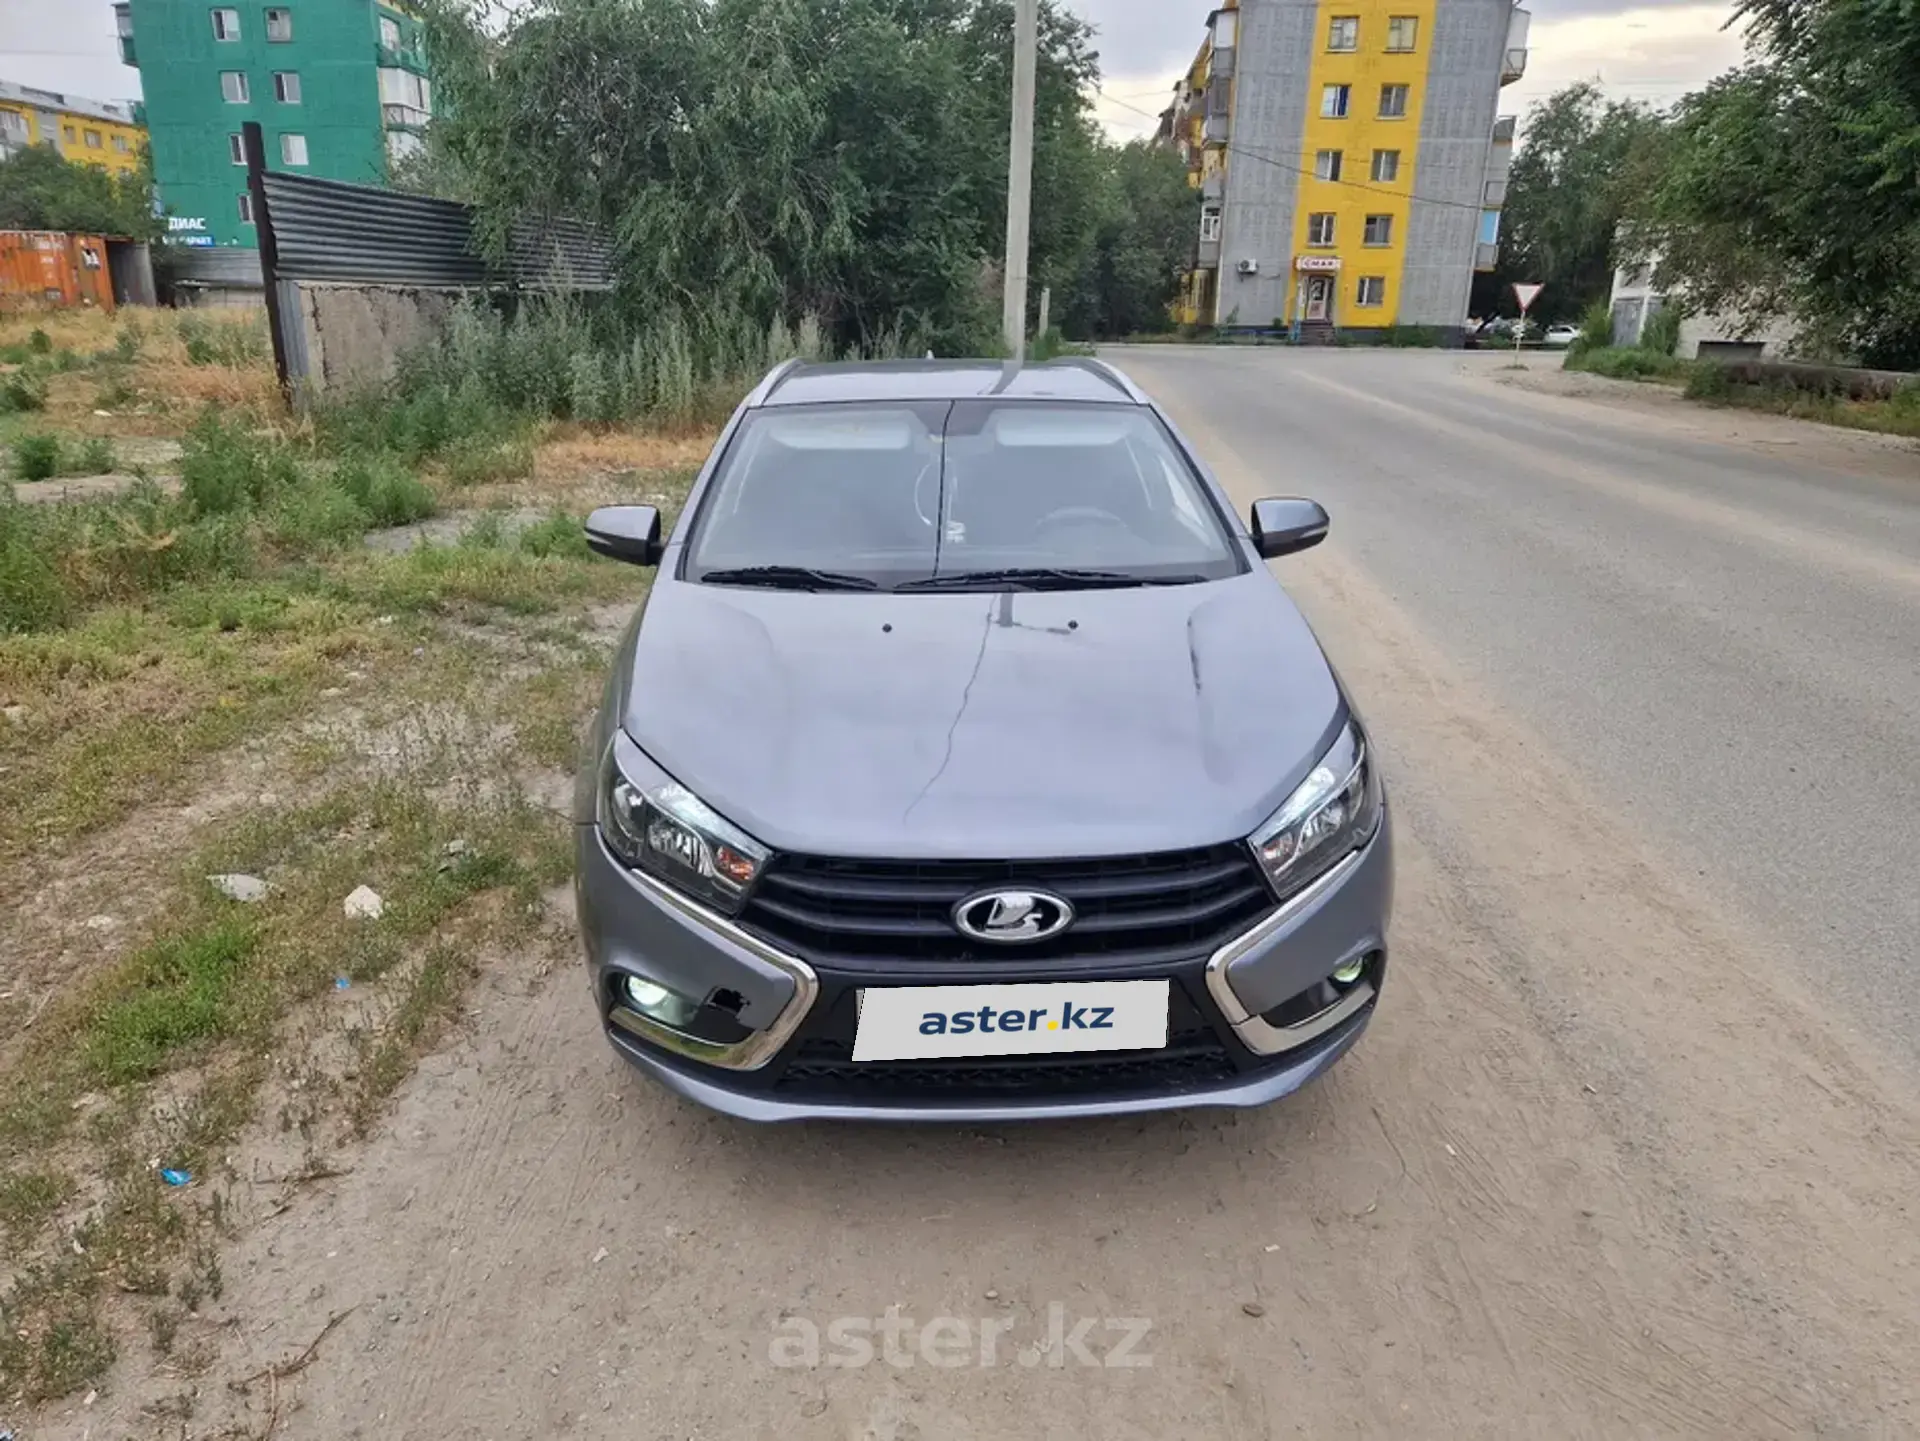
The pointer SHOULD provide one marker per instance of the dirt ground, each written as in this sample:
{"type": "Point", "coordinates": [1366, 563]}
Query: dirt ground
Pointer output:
{"type": "Point", "coordinates": [1529, 1204]}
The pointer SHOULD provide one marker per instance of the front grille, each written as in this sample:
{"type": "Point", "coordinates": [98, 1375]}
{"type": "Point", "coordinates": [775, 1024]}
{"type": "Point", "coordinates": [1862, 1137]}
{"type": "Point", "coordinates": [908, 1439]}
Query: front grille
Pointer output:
{"type": "Point", "coordinates": [1128, 910]}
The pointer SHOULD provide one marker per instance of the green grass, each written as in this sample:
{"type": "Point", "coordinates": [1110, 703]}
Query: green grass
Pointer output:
{"type": "Point", "coordinates": [171, 994]}
{"type": "Point", "coordinates": [28, 1199]}
{"type": "Point", "coordinates": [1627, 362]}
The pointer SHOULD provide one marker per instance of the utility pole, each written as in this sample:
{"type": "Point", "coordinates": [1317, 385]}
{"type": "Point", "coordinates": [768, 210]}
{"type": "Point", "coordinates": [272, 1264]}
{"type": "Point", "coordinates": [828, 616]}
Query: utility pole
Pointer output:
{"type": "Point", "coordinates": [1013, 309]}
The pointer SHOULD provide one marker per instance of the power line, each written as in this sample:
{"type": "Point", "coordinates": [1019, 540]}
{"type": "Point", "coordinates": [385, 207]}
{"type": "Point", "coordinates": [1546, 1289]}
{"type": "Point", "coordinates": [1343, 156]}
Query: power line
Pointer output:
{"type": "Point", "coordinates": [1312, 174]}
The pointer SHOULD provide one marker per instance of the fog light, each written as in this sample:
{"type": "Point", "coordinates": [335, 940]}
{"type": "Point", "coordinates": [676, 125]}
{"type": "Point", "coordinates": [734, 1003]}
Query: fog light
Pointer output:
{"type": "Point", "coordinates": [1347, 972]}
{"type": "Point", "coordinates": [657, 1003]}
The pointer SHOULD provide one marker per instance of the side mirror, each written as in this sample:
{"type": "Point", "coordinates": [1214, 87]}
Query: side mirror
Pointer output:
{"type": "Point", "coordinates": [626, 532]}
{"type": "Point", "coordinates": [1285, 524]}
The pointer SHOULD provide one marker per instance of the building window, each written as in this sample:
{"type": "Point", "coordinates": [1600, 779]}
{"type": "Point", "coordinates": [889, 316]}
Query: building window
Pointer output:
{"type": "Point", "coordinates": [1372, 292]}
{"type": "Point", "coordinates": [389, 33]}
{"type": "Point", "coordinates": [293, 150]}
{"type": "Point", "coordinates": [123, 21]}
{"type": "Point", "coordinates": [279, 25]}
{"type": "Point", "coordinates": [1209, 225]}
{"type": "Point", "coordinates": [237, 149]}
{"type": "Point", "coordinates": [1343, 33]}
{"type": "Point", "coordinates": [1379, 230]}
{"type": "Point", "coordinates": [233, 85]}
{"type": "Point", "coordinates": [1326, 165]}
{"type": "Point", "coordinates": [1320, 228]}
{"type": "Point", "coordinates": [246, 208]}
{"type": "Point", "coordinates": [226, 24]}
{"type": "Point", "coordinates": [286, 87]}
{"type": "Point", "coordinates": [1393, 102]}
{"type": "Point", "coordinates": [403, 145]}
{"type": "Point", "coordinates": [1402, 32]}
{"type": "Point", "coordinates": [70, 134]}
{"type": "Point", "coordinates": [1333, 101]}
{"type": "Point", "coordinates": [1386, 166]}
{"type": "Point", "coordinates": [93, 140]}
{"type": "Point", "coordinates": [120, 144]}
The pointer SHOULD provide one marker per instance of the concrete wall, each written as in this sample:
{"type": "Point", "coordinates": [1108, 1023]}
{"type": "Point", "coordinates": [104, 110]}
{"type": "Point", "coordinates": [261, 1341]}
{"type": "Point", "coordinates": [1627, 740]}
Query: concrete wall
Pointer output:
{"type": "Point", "coordinates": [351, 336]}
{"type": "Point", "coordinates": [1456, 129]}
{"type": "Point", "coordinates": [1271, 66]}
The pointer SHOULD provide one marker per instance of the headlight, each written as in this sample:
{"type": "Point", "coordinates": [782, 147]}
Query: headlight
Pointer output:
{"type": "Point", "coordinates": [1332, 813]}
{"type": "Point", "coordinates": [654, 824]}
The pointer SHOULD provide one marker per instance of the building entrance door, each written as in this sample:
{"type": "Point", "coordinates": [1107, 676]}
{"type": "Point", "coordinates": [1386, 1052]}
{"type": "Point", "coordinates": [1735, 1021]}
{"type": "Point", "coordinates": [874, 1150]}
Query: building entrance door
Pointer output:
{"type": "Point", "coordinates": [1319, 296]}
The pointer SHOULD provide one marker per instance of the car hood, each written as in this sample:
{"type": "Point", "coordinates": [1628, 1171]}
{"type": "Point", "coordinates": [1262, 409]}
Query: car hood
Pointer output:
{"type": "Point", "coordinates": [1027, 724]}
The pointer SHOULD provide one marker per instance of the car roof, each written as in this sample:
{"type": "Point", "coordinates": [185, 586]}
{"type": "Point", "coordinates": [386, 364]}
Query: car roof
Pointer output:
{"type": "Point", "coordinates": [801, 382]}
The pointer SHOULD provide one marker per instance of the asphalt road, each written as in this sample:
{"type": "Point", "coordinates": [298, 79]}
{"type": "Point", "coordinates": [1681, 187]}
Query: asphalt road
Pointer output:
{"type": "Point", "coordinates": [1721, 639]}
{"type": "Point", "coordinates": [1631, 1150]}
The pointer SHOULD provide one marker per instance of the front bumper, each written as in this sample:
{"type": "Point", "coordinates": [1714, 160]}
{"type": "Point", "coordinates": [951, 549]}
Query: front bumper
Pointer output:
{"type": "Point", "coordinates": [1238, 1036]}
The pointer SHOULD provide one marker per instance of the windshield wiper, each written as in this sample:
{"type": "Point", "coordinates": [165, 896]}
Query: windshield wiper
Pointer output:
{"type": "Point", "coordinates": [789, 577]}
{"type": "Point", "coordinates": [1043, 578]}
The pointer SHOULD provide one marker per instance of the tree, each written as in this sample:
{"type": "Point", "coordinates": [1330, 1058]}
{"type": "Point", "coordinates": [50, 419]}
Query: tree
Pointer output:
{"type": "Point", "coordinates": [1792, 187]}
{"type": "Point", "coordinates": [41, 191]}
{"type": "Point", "coordinates": [1566, 193]}
{"type": "Point", "coordinates": [1142, 242]}
{"type": "Point", "coordinates": [768, 159]}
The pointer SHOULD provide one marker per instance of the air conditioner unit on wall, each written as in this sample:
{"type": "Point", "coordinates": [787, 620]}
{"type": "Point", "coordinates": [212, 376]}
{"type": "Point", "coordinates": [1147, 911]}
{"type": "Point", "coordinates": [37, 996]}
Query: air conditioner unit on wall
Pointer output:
{"type": "Point", "coordinates": [1248, 267]}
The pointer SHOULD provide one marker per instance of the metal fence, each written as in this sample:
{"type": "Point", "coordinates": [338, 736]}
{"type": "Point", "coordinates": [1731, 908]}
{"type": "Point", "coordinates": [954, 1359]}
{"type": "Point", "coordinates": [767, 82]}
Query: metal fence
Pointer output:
{"type": "Point", "coordinates": [328, 233]}
{"type": "Point", "coordinates": [328, 230]}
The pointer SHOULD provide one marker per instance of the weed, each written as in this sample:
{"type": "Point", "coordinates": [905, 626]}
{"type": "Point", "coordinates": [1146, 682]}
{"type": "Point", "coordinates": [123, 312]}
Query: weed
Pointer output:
{"type": "Point", "coordinates": [484, 459]}
{"type": "Point", "coordinates": [36, 455]}
{"type": "Point", "coordinates": [384, 489]}
{"type": "Point", "coordinates": [95, 456]}
{"type": "Point", "coordinates": [128, 340]}
{"type": "Point", "coordinates": [1660, 333]}
{"type": "Point", "coordinates": [23, 390]}
{"type": "Point", "coordinates": [1627, 362]}
{"type": "Point", "coordinates": [556, 534]}
{"type": "Point", "coordinates": [168, 995]}
{"type": "Point", "coordinates": [28, 1199]}
{"type": "Point", "coordinates": [52, 1338]}
{"type": "Point", "coordinates": [39, 342]}
{"type": "Point", "coordinates": [211, 342]}
{"type": "Point", "coordinates": [225, 469]}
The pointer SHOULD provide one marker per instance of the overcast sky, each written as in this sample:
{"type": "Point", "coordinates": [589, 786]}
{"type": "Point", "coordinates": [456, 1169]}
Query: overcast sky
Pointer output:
{"type": "Point", "coordinates": [1646, 49]}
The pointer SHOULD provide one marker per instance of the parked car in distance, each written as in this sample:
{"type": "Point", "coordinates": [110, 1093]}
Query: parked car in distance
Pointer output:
{"type": "Point", "coordinates": [966, 762]}
{"type": "Point", "coordinates": [1560, 336]}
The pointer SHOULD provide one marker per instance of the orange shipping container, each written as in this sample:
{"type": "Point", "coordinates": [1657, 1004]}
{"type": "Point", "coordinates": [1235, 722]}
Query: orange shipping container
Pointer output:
{"type": "Point", "coordinates": [52, 267]}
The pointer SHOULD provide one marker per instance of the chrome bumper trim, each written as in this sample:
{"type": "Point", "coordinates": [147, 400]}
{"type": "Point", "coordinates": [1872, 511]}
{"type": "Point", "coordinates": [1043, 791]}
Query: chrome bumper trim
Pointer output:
{"type": "Point", "coordinates": [1254, 1033]}
{"type": "Point", "coordinates": [763, 1045]}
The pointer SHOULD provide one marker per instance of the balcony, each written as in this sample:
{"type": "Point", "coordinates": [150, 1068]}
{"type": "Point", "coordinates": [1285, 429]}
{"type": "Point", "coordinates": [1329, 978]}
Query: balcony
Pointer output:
{"type": "Point", "coordinates": [1208, 256]}
{"type": "Point", "coordinates": [127, 54]}
{"type": "Point", "coordinates": [405, 117]}
{"type": "Point", "coordinates": [1494, 193]}
{"type": "Point", "coordinates": [1513, 63]}
{"type": "Point", "coordinates": [1216, 129]}
{"type": "Point", "coordinates": [1221, 67]}
{"type": "Point", "coordinates": [402, 59]}
{"type": "Point", "coordinates": [1485, 256]}
{"type": "Point", "coordinates": [1513, 66]}
{"type": "Point", "coordinates": [1503, 129]}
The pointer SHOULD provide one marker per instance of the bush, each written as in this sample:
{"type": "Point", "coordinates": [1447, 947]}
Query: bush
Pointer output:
{"type": "Point", "coordinates": [36, 456]}
{"type": "Point", "coordinates": [1661, 332]}
{"type": "Point", "coordinates": [33, 596]}
{"type": "Point", "coordinates": [1596, 328]}
{"type": "Point", "coordinates": [23, 389]}
{"type": "Point", "coordinates": [1423, 337]}
{"type": "Point", "coordinates": [1709, 382]}
{"type": "Point", "coordinates": [95, 456]}
{"type": "Point", "coordinates": [39, 342]}
{"type": "Point", "coordinates": [556, 534]}
{"type": "Point", "coordinates": [226, 470]}
{"type": "Point", "coordinates": [385, 490]}
{"type": "Point", "coordinates": [1626, 362]}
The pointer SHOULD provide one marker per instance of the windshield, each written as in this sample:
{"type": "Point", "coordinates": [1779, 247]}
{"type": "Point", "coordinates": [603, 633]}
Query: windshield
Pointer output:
{"type": "Point", "coordinates": [941, 496]}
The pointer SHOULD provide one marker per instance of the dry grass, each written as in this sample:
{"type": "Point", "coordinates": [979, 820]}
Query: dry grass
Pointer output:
{"type": "Point", "coordinates": [569, 450]}
{"type": "Point", "coordinates": [156, 393]}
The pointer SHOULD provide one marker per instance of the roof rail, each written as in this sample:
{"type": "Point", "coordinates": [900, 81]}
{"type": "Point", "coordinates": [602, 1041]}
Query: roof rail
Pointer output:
{"type": "Point", "coordinates": [1108, 372]}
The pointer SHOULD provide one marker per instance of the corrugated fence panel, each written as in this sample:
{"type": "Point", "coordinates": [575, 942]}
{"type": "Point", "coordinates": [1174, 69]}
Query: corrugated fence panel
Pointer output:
{"type": "Point", "coordinates": [226, 265]}
{"type": "Point", "coordinates": [327, 230]}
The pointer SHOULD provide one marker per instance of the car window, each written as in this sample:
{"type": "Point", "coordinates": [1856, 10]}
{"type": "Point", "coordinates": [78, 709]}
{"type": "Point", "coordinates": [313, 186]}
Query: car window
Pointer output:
{"type": "Point", "coordinates": [892, 494]}
{"type": "Point", "coordinates": [1028, 484]}
{"type": "Point", "coordinates": [853, 489]}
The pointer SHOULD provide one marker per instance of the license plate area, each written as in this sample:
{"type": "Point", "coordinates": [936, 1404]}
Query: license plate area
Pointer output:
{"type": "Point", "coordinates": [1019, 1018]}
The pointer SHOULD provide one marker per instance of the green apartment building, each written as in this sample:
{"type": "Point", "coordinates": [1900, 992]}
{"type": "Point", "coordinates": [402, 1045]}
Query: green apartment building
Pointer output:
{"type": "Point", "coordinates": [340, 89]}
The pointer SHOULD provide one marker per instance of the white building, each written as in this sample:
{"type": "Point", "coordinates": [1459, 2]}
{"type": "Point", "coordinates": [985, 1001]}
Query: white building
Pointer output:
{"type": "Point", "coordinates": [1714, 336]}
